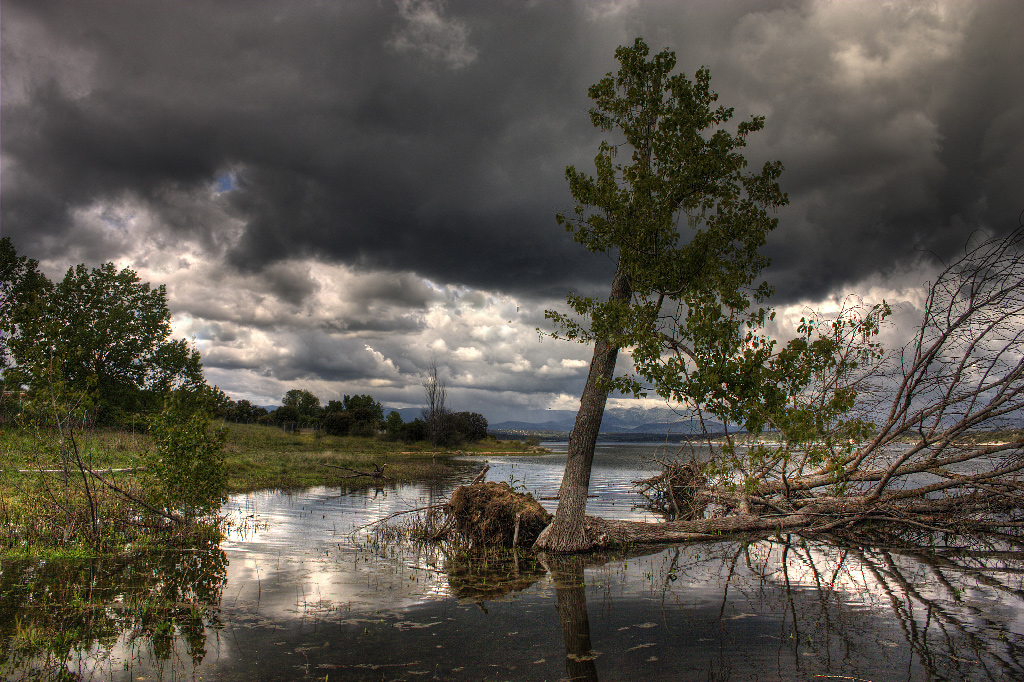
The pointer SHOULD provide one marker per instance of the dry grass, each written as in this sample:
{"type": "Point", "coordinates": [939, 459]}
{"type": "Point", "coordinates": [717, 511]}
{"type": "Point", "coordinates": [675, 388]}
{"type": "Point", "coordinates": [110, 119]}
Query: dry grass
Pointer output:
{"type": "Point", "coordinates": [493, 514]}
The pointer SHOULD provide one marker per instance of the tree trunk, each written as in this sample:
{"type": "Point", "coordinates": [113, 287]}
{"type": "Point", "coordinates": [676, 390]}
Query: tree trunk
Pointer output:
{"type": "Point", "coordinates": [571, 593]}
{"type": "Point", "coordinates": [567, 532]}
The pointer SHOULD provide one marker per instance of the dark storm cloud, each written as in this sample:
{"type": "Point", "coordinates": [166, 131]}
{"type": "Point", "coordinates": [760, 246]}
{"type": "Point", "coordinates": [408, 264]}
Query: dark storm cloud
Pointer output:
{"type": "Point", "coordinates": [900, 132]}
{"type": "Point", "coordinates": [346, 141]}
{"type": "Point", "coordinates": [432, 138]}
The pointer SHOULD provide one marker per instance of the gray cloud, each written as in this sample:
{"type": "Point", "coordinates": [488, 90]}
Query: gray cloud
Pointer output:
{"type": "Point", "coordinates": [317, 177]}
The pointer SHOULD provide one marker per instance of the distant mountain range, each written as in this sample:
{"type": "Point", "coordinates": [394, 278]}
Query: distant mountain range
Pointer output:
{"type": "Point", "coordinates": [616, 420]}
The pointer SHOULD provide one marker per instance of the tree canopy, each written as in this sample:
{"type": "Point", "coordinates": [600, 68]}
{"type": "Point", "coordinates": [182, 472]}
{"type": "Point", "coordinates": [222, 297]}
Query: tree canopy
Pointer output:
{"type": "Point", "coordinates": [100, 333]}
{"type": "Point", "coordinates": [21, 286]}
{"type": "Point", "coordinates": [684, 220]}
{"type": "Point", "coordinates": [304, 401]}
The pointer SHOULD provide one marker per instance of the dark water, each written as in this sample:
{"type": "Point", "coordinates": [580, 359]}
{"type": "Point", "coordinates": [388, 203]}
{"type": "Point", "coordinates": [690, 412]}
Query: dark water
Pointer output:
{"type": "Point", "coordinates": [298, 592]}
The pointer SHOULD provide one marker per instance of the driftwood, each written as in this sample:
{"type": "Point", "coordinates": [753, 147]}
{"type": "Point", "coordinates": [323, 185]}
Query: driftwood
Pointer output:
{"type": "Point", "coordinates": [94, 471]}
{"type": "Point", "coordinates": [378, 472]}
{"type": "Point", "coordinates": [480, 476]}
{"type": "Point", "coordinates": [675, 491]}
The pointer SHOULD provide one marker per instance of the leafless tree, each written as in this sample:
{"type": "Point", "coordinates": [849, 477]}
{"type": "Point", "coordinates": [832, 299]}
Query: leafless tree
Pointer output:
{"type": "Point", "coordinates": [436, 413]}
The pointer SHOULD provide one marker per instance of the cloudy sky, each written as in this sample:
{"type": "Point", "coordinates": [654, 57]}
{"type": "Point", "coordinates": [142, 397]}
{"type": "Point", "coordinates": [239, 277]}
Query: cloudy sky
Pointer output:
{"type": "Point", "coordinates": [337, 194]}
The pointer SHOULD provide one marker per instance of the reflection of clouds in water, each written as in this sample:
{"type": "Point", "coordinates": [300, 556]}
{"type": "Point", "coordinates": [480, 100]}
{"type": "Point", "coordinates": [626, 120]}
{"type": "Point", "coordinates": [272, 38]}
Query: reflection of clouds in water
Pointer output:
{"type": "Point", "coordinates": [920, 604]}
{"type": "Point", "coordinates": [129, 651]}
{"type": "Point", "coordinates": [297, 556]}
{"type": "Point", "coordinates": [297, 566]}
{"type": "Point", "coordinates": [870, 577]}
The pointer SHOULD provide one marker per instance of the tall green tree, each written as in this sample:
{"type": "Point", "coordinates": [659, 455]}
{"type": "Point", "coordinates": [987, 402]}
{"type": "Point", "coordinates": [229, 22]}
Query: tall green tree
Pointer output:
{"type": "Point", "coordinates": [305, 402]}
{"type": "Point", "coordinates": [364, 408]}
{"type": "Point", "coordinates": [672, 202]}
{"type": "Point", "coordinates": [22, 287]}
{"type": "Point", "coordinates": [105, 334]}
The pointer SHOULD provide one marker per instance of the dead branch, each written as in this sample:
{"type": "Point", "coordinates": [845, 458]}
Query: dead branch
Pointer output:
{"type": "Point", "coordinates": [378, 472]}
{"type": "Point", "coordinates": [923, 467]}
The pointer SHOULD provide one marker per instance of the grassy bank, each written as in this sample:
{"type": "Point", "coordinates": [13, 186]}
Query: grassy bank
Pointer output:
{"type": "Point", "coordinates": [44, 511]}
{"type": "Point", "coordinates": [260, 457]}
{"type": "Point", "coordinates": [257, 457]}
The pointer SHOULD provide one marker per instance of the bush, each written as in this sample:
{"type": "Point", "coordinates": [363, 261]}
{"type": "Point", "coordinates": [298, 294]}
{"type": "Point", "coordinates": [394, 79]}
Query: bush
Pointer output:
{"type": "Point", "coordinates": [286, 414]}
{"type": "Point", "coordinates": [337, 423]}
{"type": "Point", "coordinates": [393, 426]}
{"type": "Point", "coordinates": [414, 431]}
{"type": "Point", "coordinates": [188, 462]}
{"type": "Point", "coordinates": [469, 426]}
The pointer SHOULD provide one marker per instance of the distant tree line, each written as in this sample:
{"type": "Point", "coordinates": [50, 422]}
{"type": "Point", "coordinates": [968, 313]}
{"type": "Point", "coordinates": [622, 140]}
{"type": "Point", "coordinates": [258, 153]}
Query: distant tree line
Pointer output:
{"type": "Point", "coordinates": [357, 415]}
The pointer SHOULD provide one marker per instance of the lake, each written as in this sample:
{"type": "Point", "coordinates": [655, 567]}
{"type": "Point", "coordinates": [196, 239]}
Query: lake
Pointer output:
{"type": "Point", "coordinates": [301, 590]}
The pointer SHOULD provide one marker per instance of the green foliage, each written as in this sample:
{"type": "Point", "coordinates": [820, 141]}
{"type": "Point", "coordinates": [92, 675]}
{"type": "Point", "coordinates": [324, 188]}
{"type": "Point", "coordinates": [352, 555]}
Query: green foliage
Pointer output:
{"type": "Point", "coordinates": [415, 431]}
{"type": "Point", "coordinates": [364, 408]}
{"type": "Point", "coordinates": [305, 403]}
{"type": "Point", "coordinates": [469, 426]}
{"type": "Point", "coordinates": [357, 415]}
{"type": "Point", "coordinates": [286, 414]}
{"type": "Point", "coordinates": [100, 333]}
{"type": "Point", "coordinates": [337, 423]}
{"type": "Point", "coordinates": [21, 288]}
{"type": "Point", "coordinates": [819, 379]}
{"type": "Point", "coordinates": [241, 412]}
{"type": "Point", "coordinates": [689, 322]}
{"type": "Point", "coordinates": [188, 458]}
{"type": "Point", "coordinates": [393, 426]}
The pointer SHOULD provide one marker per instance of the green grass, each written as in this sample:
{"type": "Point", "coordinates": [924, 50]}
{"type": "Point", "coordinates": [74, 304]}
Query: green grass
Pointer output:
{"type": "Point", "coordinates": [262, 457]}
{"type": "Point", "coordinates": [100, 448]}
{"type": "Point", "coordinates": [44, 513]}
{"type": "Point", "coordinates": [258, 457]}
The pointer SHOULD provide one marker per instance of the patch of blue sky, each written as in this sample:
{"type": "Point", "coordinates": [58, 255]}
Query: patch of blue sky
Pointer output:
{"type": "Point", "coordinates": [224, 182]}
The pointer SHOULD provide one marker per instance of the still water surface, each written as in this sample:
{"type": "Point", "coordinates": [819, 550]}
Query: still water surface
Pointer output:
{"type": "Point", "coordinates": [300, 591]}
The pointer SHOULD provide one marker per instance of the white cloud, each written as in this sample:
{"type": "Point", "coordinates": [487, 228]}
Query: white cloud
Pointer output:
{"type": "Point", "coordinates": [467, 354]}
{"type": "Point", "coordinates": [428, 32]}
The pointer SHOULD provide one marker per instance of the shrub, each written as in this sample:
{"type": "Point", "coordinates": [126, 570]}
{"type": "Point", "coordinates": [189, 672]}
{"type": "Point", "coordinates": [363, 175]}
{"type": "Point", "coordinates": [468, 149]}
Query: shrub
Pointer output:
{"type": "Point", "coordinates": [337, 423]}
{"type": "Point", "coordinates": [188, 461]}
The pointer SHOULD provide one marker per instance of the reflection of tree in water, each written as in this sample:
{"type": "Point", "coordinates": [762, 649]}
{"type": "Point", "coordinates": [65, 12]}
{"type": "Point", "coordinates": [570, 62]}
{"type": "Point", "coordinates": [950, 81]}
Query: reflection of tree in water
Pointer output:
{"type": "Point", "coordinates": [486, 575]}
{"type": "Point", "coordinates": [490, 575]}
{"type": "Point", "coordinates": [953, 604]}
{"type": "Point", "coordinates": [55, 615]}
{"type": "Point", "coordinates": [822, 607]}
{"type": "Point", "coordinates": [571, 593]}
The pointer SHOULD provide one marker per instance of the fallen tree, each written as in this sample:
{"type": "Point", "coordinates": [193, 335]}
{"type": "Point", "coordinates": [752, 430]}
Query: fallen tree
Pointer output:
{"type": "Point", "coordinates": [868, 436]}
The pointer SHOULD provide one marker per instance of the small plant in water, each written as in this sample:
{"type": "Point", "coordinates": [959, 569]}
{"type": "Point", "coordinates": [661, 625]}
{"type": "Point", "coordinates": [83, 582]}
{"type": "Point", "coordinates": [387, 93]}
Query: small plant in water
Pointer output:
{"type": "Point", "coordinates": [516, 484]}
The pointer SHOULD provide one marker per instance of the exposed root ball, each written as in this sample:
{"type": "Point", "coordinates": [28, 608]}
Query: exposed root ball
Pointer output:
{"type": "Point", "coordinates": [674, 492]}
{"type": "Point", "coordinates": [486, 513]}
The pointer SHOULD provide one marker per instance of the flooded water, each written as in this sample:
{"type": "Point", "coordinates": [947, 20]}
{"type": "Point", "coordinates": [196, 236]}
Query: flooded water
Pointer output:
{"type": "Point", "coordinates": [300, 590]}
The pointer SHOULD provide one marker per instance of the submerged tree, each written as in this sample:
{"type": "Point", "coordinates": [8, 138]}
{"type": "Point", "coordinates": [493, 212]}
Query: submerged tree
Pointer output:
{"type": "Point", "coordinates": [677, 301]}
{"type": "Point", "coordinates": [904, 438]}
